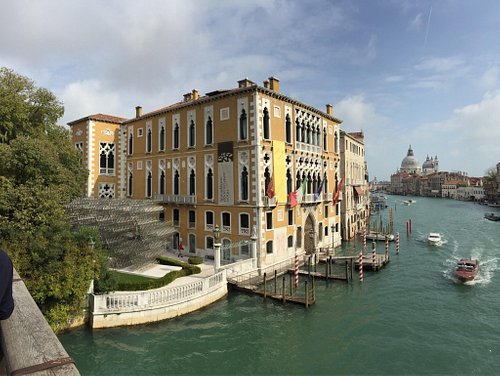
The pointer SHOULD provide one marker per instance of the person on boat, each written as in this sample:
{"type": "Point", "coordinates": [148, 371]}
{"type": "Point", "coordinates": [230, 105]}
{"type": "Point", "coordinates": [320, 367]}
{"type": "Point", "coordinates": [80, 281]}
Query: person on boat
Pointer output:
{"type": "Point", "coordinates": [6, 272]}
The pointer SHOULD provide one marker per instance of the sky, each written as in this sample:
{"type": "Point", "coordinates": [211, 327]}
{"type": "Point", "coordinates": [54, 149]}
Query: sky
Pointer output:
{"type": "Point", "coordinates": [425, 73]}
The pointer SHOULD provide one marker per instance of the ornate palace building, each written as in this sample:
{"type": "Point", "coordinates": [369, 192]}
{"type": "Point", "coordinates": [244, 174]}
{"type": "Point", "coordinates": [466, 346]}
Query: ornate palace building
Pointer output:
{"type": "Point", "coordinates": [355, 207]}
{"type": "Point", "coordinates": [229, 158]}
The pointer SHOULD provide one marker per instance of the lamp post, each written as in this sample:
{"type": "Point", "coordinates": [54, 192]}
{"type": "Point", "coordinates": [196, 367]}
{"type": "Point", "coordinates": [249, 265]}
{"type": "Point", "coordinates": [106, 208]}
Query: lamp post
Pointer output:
{"type": "Point", "coordinates": [216, 232]}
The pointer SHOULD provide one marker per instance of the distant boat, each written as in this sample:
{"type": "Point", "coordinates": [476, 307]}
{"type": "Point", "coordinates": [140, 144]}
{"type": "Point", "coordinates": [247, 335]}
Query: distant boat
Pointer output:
{"type": "Point", "coordinates": [407, 202]}
{"type": "Point", "coordinates": [492, 217]}
{"type": "Point", "coordinates": [466, 269]}
{"type": "Point", "coordinates": [434, 238]}
{"type": "Point", "coordinates": [379, 236]}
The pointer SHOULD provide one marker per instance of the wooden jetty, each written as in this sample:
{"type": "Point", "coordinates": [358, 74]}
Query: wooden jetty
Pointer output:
{"type": "Point", "coordinates": [381, 260]}
{"type": "Point", "coordinates": [270, 287]}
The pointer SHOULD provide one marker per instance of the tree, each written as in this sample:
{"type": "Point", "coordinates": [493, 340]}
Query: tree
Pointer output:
{"type": "Point", "coordinates": [491, 173]}
{"type": "Point", "coordinates": [40, 173]}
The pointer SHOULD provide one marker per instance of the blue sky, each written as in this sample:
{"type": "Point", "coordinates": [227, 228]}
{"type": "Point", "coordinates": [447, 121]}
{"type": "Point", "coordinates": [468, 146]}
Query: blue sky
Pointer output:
{"type": "Point", "coordinates": [424, 73]}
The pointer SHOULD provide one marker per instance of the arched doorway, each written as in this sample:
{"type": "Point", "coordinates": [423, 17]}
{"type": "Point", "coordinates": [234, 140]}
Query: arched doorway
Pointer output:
{"type": "Point", "coordinates": [309, 236]}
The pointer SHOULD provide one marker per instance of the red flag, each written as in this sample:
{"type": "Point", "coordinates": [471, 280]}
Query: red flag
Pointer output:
{"type": "Point", "coordinates": [336, 197]}
{"type": "Point", "coordinates": [270, 188]}
{"type": "Point", "coordinates": [293, 199]}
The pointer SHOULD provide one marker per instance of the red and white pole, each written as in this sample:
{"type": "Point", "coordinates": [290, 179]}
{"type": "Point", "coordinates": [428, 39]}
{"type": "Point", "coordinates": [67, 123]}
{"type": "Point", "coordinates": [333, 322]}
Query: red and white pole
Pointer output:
{"type": "Point", "coordinates": [296, 271]}
{"type": "Point", "coordinates": [397, 243]}
{"type": "Point", "coordinates": [361, 266]}
{"type": "Point", "coordinates": [374, 255]}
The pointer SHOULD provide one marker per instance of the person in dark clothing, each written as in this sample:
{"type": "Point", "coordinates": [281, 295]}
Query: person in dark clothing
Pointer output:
{"type": "Point", "coordinates": [6, 300]}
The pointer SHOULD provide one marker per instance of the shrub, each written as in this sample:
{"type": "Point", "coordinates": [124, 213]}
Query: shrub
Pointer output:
{"type": "Point", "coordinates": [195, 260]}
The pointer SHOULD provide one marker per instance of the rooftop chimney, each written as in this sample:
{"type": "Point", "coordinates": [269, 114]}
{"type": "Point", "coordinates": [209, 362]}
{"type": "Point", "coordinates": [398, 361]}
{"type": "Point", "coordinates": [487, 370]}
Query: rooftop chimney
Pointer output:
{"type": "Point", "coordinates": [245, 83]}
{"type": "Point", "coordinates": [138, 111]}
{"type": "Point", "coordinates": [329, 109]}
{"type": "Point", "coordinates": [274, 84]}
{"type": "Point", "coordinates": [195, 94]}
{"type": "Point", "coordinates": [188, 97]}
{"type": "Point", "coordinates": [266, 84]}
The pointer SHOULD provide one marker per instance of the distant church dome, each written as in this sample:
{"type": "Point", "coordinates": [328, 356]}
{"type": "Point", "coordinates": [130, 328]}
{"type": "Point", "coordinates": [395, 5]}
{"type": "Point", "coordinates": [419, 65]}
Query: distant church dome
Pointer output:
{"type": "Point", "coordinates": [430, 165]}
{"type": "Point", "coordinates": [410, 164]}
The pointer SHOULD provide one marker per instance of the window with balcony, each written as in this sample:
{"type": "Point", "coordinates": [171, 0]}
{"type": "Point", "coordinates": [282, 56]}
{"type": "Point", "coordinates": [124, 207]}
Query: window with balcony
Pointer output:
{"type": "Point", "coordinates": [192, 183]}
{"type": "Point", "coordinates": [209, 220]}
{"type": "Point", "coordinates": [176, 182]}
{"type": "Point", "coordinates": [244, 224]}
{"type": "Point", "coordinates": [226, 222]}
{"type": "Point", "coordinates": [161, 187]}
{"type": "Point", "coordinates": [106, 158]}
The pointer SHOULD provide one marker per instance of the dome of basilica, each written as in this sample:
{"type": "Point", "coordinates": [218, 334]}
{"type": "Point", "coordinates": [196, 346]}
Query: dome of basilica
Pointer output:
{"type": "Point", "coordinates": [410, 164]}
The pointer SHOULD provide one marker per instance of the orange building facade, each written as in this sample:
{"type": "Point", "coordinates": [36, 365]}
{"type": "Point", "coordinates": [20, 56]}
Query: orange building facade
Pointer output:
{"type": "Point", "coordinates": [229, 158]}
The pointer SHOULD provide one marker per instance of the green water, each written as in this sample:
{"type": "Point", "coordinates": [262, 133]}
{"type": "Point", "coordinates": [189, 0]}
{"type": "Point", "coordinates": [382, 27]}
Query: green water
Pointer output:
{"type": "Point", "coordinates": [411, 317]}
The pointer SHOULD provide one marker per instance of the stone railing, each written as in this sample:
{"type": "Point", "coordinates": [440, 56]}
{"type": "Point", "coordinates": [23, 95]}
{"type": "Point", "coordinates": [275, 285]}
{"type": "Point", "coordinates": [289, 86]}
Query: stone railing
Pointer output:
{"type": "Point", "coordinates": [28, 343]}
{"type": "Point", "coordinates": [138, 307]}
{"type": "Point", "coordinates": [176, 199]}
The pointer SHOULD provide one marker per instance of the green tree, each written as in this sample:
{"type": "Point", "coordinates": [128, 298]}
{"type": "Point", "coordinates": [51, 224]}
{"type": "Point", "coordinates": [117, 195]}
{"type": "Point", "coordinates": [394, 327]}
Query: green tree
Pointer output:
{"type": "Point", "coordinates": [40, 173]}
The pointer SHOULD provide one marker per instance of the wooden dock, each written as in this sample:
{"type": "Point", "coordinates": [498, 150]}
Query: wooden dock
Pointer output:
{"type": "Point", "coordinates": [381, 260]}
{"type": "Point", "coordinates": [271, 287]}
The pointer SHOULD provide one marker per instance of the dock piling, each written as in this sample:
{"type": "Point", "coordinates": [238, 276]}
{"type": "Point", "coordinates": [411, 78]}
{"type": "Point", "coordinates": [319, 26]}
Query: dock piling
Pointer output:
{"type": "Point", "coordinates": [284, 290]}
{"type": "Point", "coordinates": [265, 285]}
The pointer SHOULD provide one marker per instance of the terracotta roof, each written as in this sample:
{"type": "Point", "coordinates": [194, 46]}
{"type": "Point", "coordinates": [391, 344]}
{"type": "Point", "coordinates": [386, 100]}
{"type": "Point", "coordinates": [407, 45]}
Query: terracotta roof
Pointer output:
{"type": "Point", "coordinates": [100, 117]}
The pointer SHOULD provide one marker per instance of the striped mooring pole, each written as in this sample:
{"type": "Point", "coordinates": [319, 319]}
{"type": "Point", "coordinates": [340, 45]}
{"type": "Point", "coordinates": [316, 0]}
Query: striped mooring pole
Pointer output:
{"type": "Point", "coordinates": [397, 243]}
{"type": "Point", "coordinates": [374, 255]}
{"type": "Point", "coordinates": [386, 247]}
{"type": "Point", "coordinates": [361, 266]}
{"type": "Point", "coordinates": [296, 271]}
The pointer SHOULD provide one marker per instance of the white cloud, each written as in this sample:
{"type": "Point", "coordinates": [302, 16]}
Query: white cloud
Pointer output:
{"type": "Point", "coordinates": [85, 98]}
{"type": "Point", "coordinates": [489, 79]}
{"type": "Point", "coordinates": [440, 64]}
{"type": "Point", "coordinates": [416, 23]}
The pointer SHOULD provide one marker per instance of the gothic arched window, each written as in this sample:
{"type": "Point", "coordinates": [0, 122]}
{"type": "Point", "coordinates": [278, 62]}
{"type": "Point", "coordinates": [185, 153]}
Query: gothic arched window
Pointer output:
{"type": "Point", "coordinates": [244, 184]}
{"type": "Point", "coordinates": [192, 183]}
{"type": "Point", "coordinates": [210, 184]}
{"type": "Point", "coordinates": [266, 123]}
{"type": "Point", "coordinates": [209, 131]}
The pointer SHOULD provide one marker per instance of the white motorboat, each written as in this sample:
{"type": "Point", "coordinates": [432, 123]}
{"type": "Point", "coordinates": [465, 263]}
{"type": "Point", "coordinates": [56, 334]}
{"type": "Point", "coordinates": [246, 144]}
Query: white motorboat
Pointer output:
{"type": "Point", "coordinates": [379, 236]}
{"type": "Point", "coordinates": [434, 238]}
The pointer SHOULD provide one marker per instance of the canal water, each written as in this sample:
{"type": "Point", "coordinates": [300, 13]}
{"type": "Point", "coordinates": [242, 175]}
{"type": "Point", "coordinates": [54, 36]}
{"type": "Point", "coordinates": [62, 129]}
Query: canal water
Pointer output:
{"type": "Point", "coordinates": [411, 317]}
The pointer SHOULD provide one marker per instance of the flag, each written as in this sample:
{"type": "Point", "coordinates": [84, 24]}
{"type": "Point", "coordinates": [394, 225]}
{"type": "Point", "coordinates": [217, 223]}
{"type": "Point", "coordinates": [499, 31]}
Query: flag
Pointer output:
{"type": "Point", "coordinates": [336, 197]}
{"type": "Point", "coordinates": [293, 199]}
{"type": "Point", "coordinates": [318, 192]}
{"type": "Point", "coordinates": [270, 188]}
{"type": "Point", "coordinates": [302, 190]}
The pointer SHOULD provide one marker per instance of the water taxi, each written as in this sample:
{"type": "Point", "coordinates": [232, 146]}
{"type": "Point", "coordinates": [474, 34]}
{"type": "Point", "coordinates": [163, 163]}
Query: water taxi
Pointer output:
{"type": "Point", "coordinates": [434, 238]}
{"type": "Point", "coordinates": [466, 269]}
{"type": "Point", "coordinates": [492, 217]}
{"type": "Point", "coordinates": [379, 236]}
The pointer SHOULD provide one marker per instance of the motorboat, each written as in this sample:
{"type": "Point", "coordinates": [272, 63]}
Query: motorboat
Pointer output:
{"type": "Point", "coordinates": [466, 269]}
{"type": "Point", "coordinates": [492, 217]}
{"type": "Point", "coordinates": [372, 235]}
{"type": "Point", "coordinates": [434, 238]}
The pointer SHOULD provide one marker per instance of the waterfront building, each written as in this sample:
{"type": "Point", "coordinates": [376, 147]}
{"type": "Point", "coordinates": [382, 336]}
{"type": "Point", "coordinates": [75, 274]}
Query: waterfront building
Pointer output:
{"type": "Point", "coordinates": [355, 207]}
{"type": "Point", "coordinates": [431, 165]}
{"type": "Point", "coordinates": [229, 158]}
{"type": "Point", "coordinates": [492, 187]}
